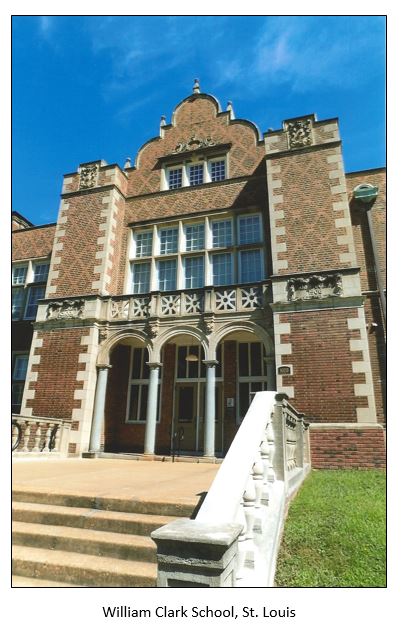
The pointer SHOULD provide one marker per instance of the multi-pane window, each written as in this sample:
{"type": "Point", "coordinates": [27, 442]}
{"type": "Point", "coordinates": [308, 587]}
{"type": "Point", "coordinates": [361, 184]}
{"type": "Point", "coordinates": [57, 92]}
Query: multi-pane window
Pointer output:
{"type": "Point", "coordinates": [19, 275]}
{"type": "Point", "coordinates": [195, 237]}
{"type": "Point", "coordinates": [222, 233]}
{"type": "Point", "coordinates": [222, 269]}
{"type": "Point", "coordinates": [17, 305]}
{"type": "Point", "coordinates": [20, 367]}
{"type": "Point", "coordinates": [168, 241]}
{"type": "Point", "coordinates": [218, 170]}
{"type": "Point", "coordinates": [167, 275]}
{"type": "Point", "coordinates": [252, 373]}
{"type": "Point", "coordinates": [250, 266]}
{"type": "Point", "coordinates": [143, 242]}
{"type": "Point", "coordinates": [34, 294]}
{"type": "Point", "coordinates": [196, 174]}
{"type": "Point", "coordinates": [140, 277]}
{"type": "Point", "coordinates": [249, 231]}
{"type": "Point", "coordinates": [18, 380]}
{"type": "Point", "coordinates": [194, 272]}
{"type": "Point", "coordinates": [40, 272]}
{"type": "Point", "coordinates": [174, 178]}
{"type": "Point", "coordinates": [138, 386]}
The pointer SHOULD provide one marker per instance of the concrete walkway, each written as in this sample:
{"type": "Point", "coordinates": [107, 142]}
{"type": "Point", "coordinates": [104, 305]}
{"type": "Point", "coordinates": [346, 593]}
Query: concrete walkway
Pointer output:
{"type": "Point", "coordinates": [124, 479]}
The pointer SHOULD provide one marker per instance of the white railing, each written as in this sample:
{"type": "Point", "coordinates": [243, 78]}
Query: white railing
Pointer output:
{"type": "Point", "coordinates": [245, 505]}
{"type": "Point", "coordinates": [32, 436]}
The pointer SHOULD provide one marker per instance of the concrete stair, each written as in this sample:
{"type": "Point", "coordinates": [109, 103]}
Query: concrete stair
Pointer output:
{"type": "Point", "coordinates": [67, 540]}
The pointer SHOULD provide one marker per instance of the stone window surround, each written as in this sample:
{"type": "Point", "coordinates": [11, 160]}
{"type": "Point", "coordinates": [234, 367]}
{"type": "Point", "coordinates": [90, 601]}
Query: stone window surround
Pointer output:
{"type": "Point", "coordinates": [235, 249]}
{"type": "Point", "coordinates": [29, 281]}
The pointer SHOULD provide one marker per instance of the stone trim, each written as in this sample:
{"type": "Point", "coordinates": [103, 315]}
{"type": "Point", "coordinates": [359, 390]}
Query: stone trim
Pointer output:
{"type": "Point", "coordinates": [342, 221]}
{"type": "Point", "coordinates": [364, 414]}
{"type": "Point", "coordinates": [328, 426]}
{"type": "Point", "coordinates": [276, 213]}
{"type": "Point", "coordinates": [32, 377]}
{"type": "Point", "coordinates": [106, 240]}
{"type": "Point", "coordinates": [57, 249]}
{"type": "Point", "coordinates": [83, 415]}
{"type": "Point", "coordinates": [281, 348]}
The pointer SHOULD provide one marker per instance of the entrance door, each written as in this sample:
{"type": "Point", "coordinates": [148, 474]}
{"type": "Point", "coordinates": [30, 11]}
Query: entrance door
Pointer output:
{"type": "Point", "coordinates": [187, 415]}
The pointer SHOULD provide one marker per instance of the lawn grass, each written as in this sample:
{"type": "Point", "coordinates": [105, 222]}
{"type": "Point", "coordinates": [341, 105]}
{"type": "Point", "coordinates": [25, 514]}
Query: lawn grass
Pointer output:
{"type": "Point", "coordinates": [335, 532]}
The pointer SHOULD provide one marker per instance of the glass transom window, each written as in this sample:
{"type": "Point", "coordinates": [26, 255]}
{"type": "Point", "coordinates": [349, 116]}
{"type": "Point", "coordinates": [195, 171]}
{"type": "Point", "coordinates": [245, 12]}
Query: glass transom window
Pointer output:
{"type": "Point", "coordinates": [251, 266]}
{"type": "Point", "coordinates": [222, 233]}
{"type": "Point", "coordinates": [222, 269]}
{"type": "Point", "coordinates": [140, 277]}
{"type": "Point", "coordinates": [194, 272]}
{"type": "Point", "coordinates": [167, 274]}
{"type": "Point", "coordinates": [19, 275]}
{"type": "Point", "coordinates": [144, 244]}
{"type": "Point", "coordinates": [218, 170]}
{"type": "Point", "coordinates": [195, 237]}
{"type": "Point", "coordinates": [175, 178]}
{"type": "Point", "coordinates": [168, 241]}
{"type": "Point", "coordinates": [249, 229]}
{"type": "Point", "coordinates": [196, 174]}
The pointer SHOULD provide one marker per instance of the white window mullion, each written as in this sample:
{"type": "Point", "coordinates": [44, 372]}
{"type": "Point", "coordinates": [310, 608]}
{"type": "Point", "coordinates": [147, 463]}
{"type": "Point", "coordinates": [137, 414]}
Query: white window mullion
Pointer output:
{"type": "Point", "coordinates": [185, 178]}
{"type": "Point", "coordinates": [180, 273]}
{"type": "Point", "coordinates": [206, 172]}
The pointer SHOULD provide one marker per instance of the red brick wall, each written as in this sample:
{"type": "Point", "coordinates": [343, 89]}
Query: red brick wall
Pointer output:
{"type": "Point", "coordinates": [57, 373]}
{"type": "Point", "coordinates": [321, 359]}
{"type": "Point", "coordinates": [377, 352]}
{"type": "Point", "coordinates": [31, 243]}
{"type": "Point", "coordinates": [118, 434]}
{"type": "Point", "coordinates": [347, 448]}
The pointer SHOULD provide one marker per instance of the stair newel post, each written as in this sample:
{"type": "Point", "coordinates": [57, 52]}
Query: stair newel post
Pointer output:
{"type": "Point", "coordinates": [46, 448]}
{"type": "Point", "coordinates": [36, 448]}
{"type": "Point", "coordinates": [264, 454]}
{"type": "Point", "coordinates": [25, 437]}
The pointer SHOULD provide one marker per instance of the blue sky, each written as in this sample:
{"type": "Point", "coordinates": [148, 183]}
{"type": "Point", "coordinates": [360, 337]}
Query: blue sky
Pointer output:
{"type": "Point", "coordinates": [86, 88]}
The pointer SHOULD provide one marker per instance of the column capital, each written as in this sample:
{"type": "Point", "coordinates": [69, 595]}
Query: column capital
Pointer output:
{"type": "Point", "coordinates": [210, 363]}
{"type": "Point", "coordinates": [154, 364]}
{"type": "Point", "coordinates": [103, 367]}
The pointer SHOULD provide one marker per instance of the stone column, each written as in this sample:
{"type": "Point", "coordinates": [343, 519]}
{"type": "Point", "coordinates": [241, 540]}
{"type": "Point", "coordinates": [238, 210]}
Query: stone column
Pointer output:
{"type": "Point", "coordinates": [151, 411]}
{"type": "Point", "coordinates": [271, 374]}
{"type": "Point", "coordinates": [210, 407]}
{"type": "Point", "coordinates": [98, 409]}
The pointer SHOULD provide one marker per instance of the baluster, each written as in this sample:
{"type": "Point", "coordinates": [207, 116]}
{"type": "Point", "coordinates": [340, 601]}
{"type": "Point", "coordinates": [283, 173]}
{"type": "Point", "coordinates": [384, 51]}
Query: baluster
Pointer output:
{"type": "Point", "coordinates": [264, 454]}
{"type": "Point", "coordinates": [240, 519]}
{"type": "Point", "coordinates": [270, 440]}
{"type": "Point", "coordinates": [47, 437]}
{"type": "Point", "coordinates": [14, 434]}
{"type": "Point", "coordinates": [36, 448]}
{"type": "Point", "coordinates": [56, 447]}
{"type": "Point", "coordinates": [25, 437]}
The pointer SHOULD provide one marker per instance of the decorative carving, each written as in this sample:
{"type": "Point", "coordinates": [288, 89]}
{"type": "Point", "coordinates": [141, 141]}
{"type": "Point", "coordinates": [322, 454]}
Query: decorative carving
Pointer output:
{"type": "Point", "coordinates": [314, 287]}
{"type": "Point", "coordinates": [140, 307]}
{"type": "Point", "coordinates": [193, 303]}
{"type": "Point", "coordinates": [119, 309]}
{"type": "Point", "coordinates": [299, 133]}
{"type": "Point", "coordinates": [88, 176]}
{"type": "Point", "coordinates": [251, 297]}
{"type": "Point", "coordinates": [65, 309]}
{"type": "Point", "coordinates": [207, 324]}
{"type": "Point", "coordinates": [103, 334]}
{"type": "Point", "coordinates": [193, 144]}
{"type": "Point", "coordinates": [152, 328]}
{"type": "Point", "coordinates": [170, 305]}
{"type": "Point", "coordinates": [225, 300]}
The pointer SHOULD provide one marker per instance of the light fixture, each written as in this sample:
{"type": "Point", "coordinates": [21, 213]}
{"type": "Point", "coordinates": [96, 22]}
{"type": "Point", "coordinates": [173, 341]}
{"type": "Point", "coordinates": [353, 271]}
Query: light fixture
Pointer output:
{"type": "Point", "coordinates": [191, 357]}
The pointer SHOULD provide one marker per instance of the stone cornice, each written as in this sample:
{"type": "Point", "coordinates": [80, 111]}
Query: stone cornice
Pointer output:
{"type": "Point", "coordinates": [290, 275]}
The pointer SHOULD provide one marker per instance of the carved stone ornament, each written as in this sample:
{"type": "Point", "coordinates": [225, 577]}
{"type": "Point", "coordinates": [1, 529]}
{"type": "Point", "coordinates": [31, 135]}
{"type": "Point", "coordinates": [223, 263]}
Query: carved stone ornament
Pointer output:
{"type": "Point", "coordinates": [119, 309]}
{"type": "Point", "coordinates": [152, 328]}
{"type": "Point", "coordinates": [88, 176]}
{"type": "Point", "coordinates": [299, 133]}
{"type": "Point", "coordinates": [103, 334]}
{"type": "Point", "coordinates": [64, 310]}
{"type": "Point", "coordinates": [314, 287]}
{"type": "Point", "coordinates": [193, 144]}
{"type": "Point", "coordinates": [207, 324]}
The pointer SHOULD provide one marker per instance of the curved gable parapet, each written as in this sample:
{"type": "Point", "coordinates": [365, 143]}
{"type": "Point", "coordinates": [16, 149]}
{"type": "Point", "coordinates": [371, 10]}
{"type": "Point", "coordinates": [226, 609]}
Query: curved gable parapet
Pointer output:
{"type": "Point", "coordinates": [252, 125]}
{"type": "Point", "coordinates": [189, 100]}
{"type": "Point", "coordinates": [143, 147]}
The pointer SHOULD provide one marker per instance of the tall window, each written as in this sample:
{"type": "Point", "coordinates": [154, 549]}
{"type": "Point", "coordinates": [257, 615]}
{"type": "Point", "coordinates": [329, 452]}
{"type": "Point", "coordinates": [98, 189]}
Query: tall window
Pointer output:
{"type": "Point", "coordinates": [222, 231]}
{"type": "Point", "coordinates": [218, 170]}
{"type": "Point", "coordinates": [138, 386]}
{"type": "Point", "coordinates": [20, 365]}
{"type": "Point", "coordinates": [194, 237]}
{"type": "Point", "coordinates": [19, 275]}
{"type": "Point", "coordinates": [168, 241]}
{"type": "Point", "coordinates": [29, 285]}
{"type": "Point", "coordinates": [140, 277]}
{"type": "Point", "coordinates": [194, 273]}
{"type": "Point", "coordinates": [222, 269]}
{"type": "Point", "coordinates": [40, 272]}
{"type": "Point", "coordinates": [174, 178]}
{"type": "Point", "coordinates": [167, 275]}
{"type": "Point", "coordinates": [249, 231]}
{"type": "Point", "coordinates": [252, 374]}
{"type": "Point", "coordinates": [196, 174]}
{"type": "Point", "coordinates": [143, 246]}
{"type": "Point", "coordinates": [250, 266]}
{"type": "Point", "coordinates": [34, 294]}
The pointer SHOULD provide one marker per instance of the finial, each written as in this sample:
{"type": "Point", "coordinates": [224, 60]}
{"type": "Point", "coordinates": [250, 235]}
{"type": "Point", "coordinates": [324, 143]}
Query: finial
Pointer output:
{"type": "Point", "coordinates": [196, 87]}
{"type": "Point", "coordinates": [230, 109]}
{"type": "Point", "coordinates": [163, 120]}
{"type": "Point", "coordinates": [127, 163]}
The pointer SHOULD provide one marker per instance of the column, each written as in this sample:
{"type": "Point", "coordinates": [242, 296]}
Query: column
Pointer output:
{"type": "Point", "coordinates": [98, 409]}
{"type": "Point", "coordinates": [210, 408]}
{"type": "Point", "coordinates": [151, 410]}
{"type": "Point", "coordinates": [271, 374]}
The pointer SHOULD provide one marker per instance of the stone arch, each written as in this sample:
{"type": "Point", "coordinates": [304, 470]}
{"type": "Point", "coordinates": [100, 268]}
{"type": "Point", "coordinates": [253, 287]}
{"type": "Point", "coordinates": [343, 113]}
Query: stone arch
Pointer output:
{"type": "Point", "coordinates": [231, 327]}
{"type": "Point", "coordinates": [168, 334]}
{"type": "Point", "coordinates": [103, 358]}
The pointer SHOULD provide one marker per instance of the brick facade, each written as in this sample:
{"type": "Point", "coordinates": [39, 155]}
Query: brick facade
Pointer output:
{"type": "Point", "coordinates": [321, 314]}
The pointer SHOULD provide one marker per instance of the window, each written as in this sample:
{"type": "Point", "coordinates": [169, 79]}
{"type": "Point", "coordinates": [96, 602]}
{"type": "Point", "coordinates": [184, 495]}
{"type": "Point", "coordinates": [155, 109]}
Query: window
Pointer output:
{"type": "Point", "coordinates": [138, 386]}
{"type": "Point", "coordinates": [20, 366]}
{"type": "Point", "coordinates": [222, 233]}
{"type": "Point", "coordinates": [252, 374]}
{"type": "Point", "coordinates": [250, 266]}
{"type": "Point", "coordinates": [195, 237]}
{"type": "Point", "coordinates": [168, 241]}
{"type": "Point", "coordinates": [167, 274]}
{"type": "Point", "coordinates": [196, 174]}
{"type": "Point", "coordinates": [40, 272]}
{"type": "Point", "coordinates": [17, 307]}
{"type": "Point", "coordinates": [249, 231]}
{"type": "Point", "coordinates": [218, 170]}
{"type": "Point", "coordinates": [174, 178]}
{"type": "Point", "coordinates": [140, 277]}
{"type": "Point", "coordinates": [19, 275]}
{"type": "Point", "coordinates": [143, 244]}
{"type": "Point", "coordinates": [222, 269]}
{"type": "Point", "coordinates": [194, 272]}
{"type": "Point", "coordinates": [34, 294]}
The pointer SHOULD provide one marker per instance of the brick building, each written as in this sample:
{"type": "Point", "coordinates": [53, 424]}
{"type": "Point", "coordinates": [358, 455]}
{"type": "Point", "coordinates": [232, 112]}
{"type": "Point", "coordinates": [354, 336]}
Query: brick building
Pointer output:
{"type": "Point", "coordinates": [221, 263]}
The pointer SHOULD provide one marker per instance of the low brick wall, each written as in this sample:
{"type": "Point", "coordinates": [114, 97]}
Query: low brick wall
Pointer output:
{"type": "Point", "coordinates": [337, 447]}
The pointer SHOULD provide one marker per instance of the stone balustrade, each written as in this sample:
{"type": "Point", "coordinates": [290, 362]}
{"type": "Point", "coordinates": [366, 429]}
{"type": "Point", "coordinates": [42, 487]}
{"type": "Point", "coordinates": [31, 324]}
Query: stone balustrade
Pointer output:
{"type": "Point", "coordinates": [234, 540]}
{"type": "Point", "coordinates": [33, 436]}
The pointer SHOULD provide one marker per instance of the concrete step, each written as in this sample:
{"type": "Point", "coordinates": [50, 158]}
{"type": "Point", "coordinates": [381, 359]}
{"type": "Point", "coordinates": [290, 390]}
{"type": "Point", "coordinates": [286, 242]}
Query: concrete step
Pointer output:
{"type": "Point", "coordinates": [29, 582]}
{"type": "Point", "coordinates": [87, 570]}
{"type": "Point", "coordinates": [70, 499]}
{"type": "Point", "coordinates": [89, 541]}
{"type": "Point", "coordinates": [84, 518]}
